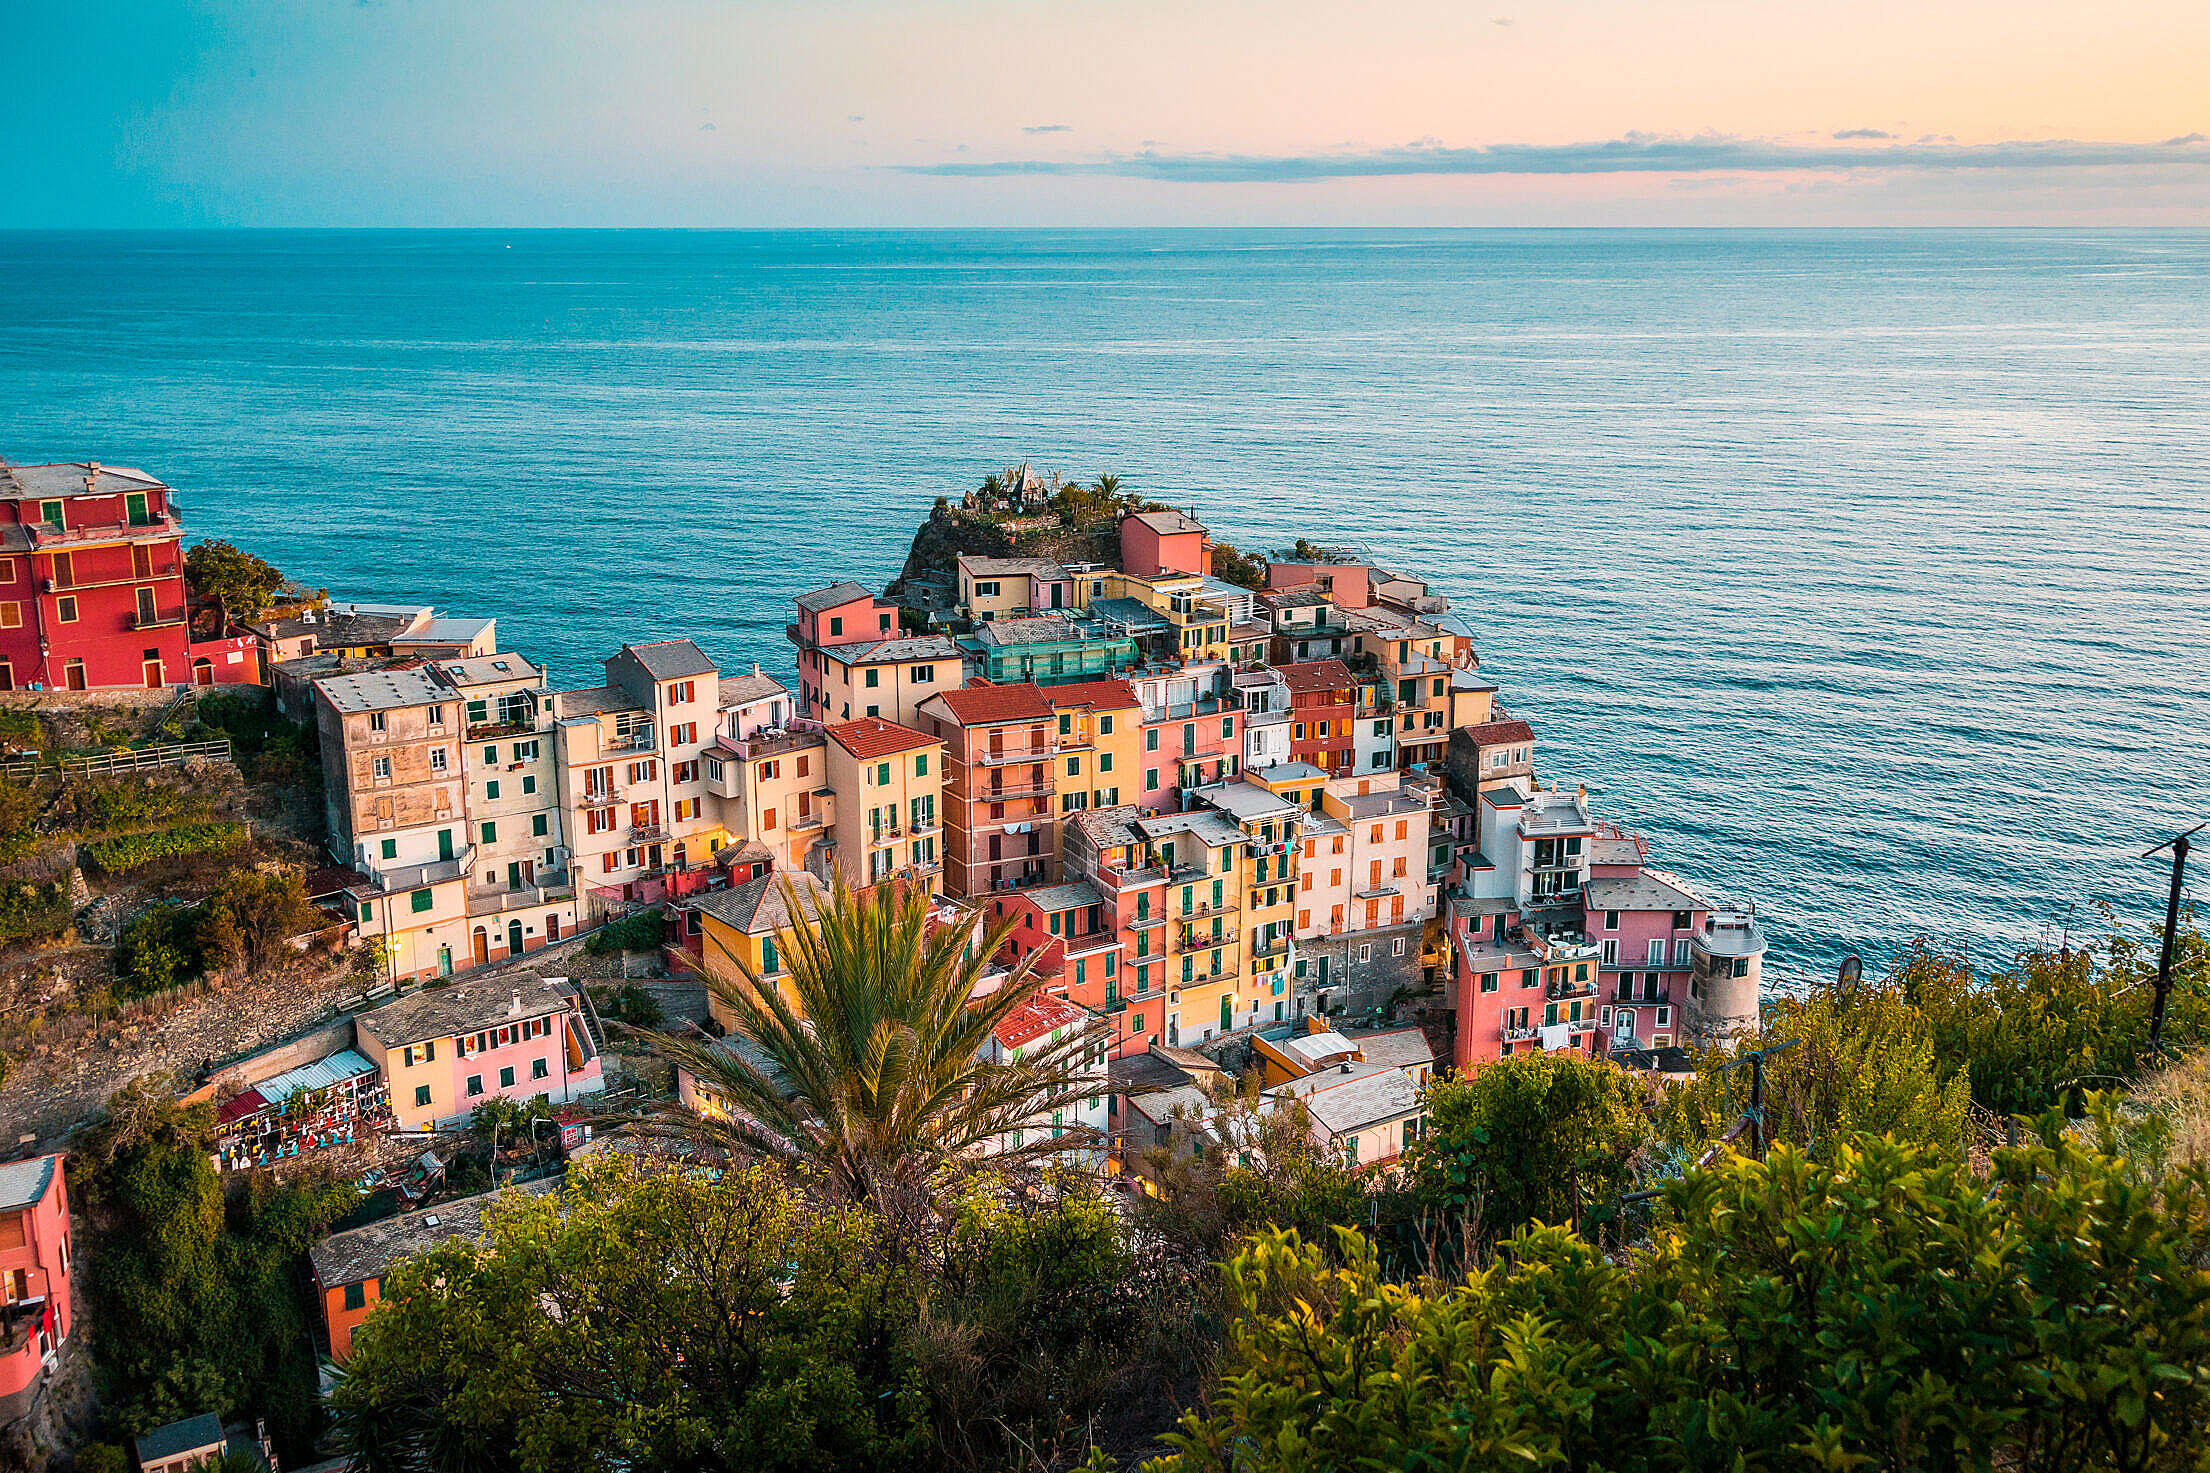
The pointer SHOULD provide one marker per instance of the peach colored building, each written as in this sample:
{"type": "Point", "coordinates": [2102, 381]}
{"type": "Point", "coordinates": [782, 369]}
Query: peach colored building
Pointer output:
{"type": "Point", "coordinates": [445, 1051]}
{"type": "Point", "coordinates": [1001, 756]}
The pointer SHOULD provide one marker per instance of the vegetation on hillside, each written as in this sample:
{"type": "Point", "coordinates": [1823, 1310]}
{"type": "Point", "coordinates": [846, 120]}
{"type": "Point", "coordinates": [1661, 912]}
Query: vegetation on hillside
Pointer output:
{"type": "Point", "coordinates": [245, 584]}
{"type": "Point", "coordinates": [197, 1295]}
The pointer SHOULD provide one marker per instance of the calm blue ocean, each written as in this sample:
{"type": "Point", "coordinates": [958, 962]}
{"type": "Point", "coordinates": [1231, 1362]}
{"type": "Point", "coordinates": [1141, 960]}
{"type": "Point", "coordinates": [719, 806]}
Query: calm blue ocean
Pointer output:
{"type": "Point", "coordinates": [1865, 572]}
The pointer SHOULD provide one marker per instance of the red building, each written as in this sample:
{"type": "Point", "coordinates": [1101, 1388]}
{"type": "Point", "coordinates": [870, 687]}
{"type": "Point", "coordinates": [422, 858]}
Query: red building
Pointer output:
{"type": "Point", "coordinates": [1156, 542]}
{"type": "Point", "coordinates": [1323, 697]}
{"type": "Point", "coordinates": [36, 1263]}
{"type": "Point", "coordinates": [91, 580]}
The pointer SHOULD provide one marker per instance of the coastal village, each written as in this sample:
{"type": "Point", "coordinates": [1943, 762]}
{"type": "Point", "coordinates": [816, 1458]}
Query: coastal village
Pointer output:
{"type": "Point", "coordinates": [1259, 817]}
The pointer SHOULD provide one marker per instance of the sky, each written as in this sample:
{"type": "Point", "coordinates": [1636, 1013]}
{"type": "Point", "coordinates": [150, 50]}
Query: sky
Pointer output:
{"type": "Point", "coordinates": [710, 113]}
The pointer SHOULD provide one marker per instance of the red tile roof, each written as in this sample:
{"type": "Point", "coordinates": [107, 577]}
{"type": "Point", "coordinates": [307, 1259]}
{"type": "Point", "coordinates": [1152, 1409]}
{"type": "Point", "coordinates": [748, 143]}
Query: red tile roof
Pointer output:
{"type": "Point", "coordinates": [1312, 675]}
{"type": "Point", "coordinates": [982, 704]}
{"type": "Point", "coordinates": [871, 737]}
{"type": "Point", "coordinates": [1500, 733]}
{"type": "Point", "coordinates": [1111, 695]}
{"type": "Point", "coordinates": [1037, 1017]}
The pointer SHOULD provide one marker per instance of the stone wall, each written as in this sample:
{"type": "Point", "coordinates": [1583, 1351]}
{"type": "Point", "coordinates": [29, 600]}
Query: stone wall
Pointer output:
{"type": "Point", "coordinates": [1352, 986]}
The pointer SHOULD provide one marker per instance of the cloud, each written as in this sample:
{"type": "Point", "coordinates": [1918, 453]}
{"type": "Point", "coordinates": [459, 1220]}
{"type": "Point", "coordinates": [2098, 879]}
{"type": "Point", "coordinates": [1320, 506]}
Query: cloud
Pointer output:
{"type": "Point", "coordinates": [1048, 128]}
{"type": "Point", "coordinates": [1849, 133]}
{"type": "Point", "coordinates": [2186, 138]}
{"type": "Point", "coordinates": [1637, 153]}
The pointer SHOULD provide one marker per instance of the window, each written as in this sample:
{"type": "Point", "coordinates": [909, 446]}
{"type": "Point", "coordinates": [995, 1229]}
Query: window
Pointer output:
{"type": "Point", "coordinates": [1611, 951]}
{"type": "Point", "coordinates": [389, 849]}
{"type": "Point", "coordinates": [440, 760]}
{"type": "Point", "coordinates": [682, 734]}
{"type": "Point", "coordinates": [882, 774]}
{"type": "Point", "coordinates": [525, 751]}
{"type": "Point", "coordinates": [506, 1077]}
{"type": "Point", "coordinates": [537, 1068]}
{"type": "Point", "coordinates": [421, 901]}
{"type": "Point", "coordinates": [491, 756]}
{"type": "Point", "coordinates": [1396, 946]}
{"type": "Point", "coordinates": [422, 1094]}
{"type": "Point", "coordinates": [49, 512]}
{"type": "Point", "coordinates": [490, 832]}
{"type": "Point", "coordinates": [375, 721]}
{"type": "Point", "coordinates": [1365, 951]}
{"type": "Point", "coordinates": [491, 789]}
{"type": "Point", "coordinates": [1664, 1017]}
{"type": "Point", "coordinates": [65, 609]}
{"type": "Point", "coordinates": [923, 674]}
{"type": "Point", "coordinates": [836, 626]}
{"type": "Point", "coordinates": [1611, 920]}
{"type": "Point", "coordinates": [1488, 981]}
{"type": "Point", "coordinates": [1151, 740]}
{"type": "Point", "coordinates": [475, 1084]}
{"type": "Point", "coordinates": [921, 765]}
{"type": "Point", "coordinates": [529, 784]}
{"type": "Point", "coordinates": [356, 1295]}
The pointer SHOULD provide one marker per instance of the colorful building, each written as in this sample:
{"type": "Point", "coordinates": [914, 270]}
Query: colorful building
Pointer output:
{"type": "Point", "coordinates": [751, 928]}
{"type": "Point", "coordinates": [91, 580]}
{"type": "Point", "coordinates": [889, 782]}
{"type": "Point", "coordinates": [1001, 756]}
{"type": "Point", "coordinates": [1323, 705]}
{"type": "Point", "coordinates": [1051, 649]}
{"type": "Point", "coordinates": [1154, 542]}
{"type": "Point", "coordinates": [446, 1050]}
{"type": "Point", "coordinates": [37, 1288]}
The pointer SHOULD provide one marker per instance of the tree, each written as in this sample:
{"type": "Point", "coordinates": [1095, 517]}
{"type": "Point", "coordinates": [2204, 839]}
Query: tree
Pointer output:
{"type": "Point", "coordinates": [245, 584]}
{"type": "Point", "coordinates": [198, 1298]}
{"type": "Point", "coordinates": [251, 919]}
{"type": "Point", "coordinates": [1107, 487]}
{"type": "Point", "coordinates": [1864, 1062]}
{"type": "Point", "coordinates": [1531, 1137]}
{"type": "Point", "coordinates": [1239, 568]}
{"type": "Point", "coordinates": [651, 1317]}
{"type": "Point", "coordinates": [874, 1075]}
{"type": "Point", "coordinates": [1883, 1307]}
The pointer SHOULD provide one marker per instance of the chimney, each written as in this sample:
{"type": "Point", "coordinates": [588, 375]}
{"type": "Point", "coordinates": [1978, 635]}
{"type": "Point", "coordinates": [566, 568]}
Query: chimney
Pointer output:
{"type": "Point", "coordinates": [91, 474]}
{"type": "Point", "coordinates": [755, 669]}
{"type": "Point", "coordinates": [514, 1009]}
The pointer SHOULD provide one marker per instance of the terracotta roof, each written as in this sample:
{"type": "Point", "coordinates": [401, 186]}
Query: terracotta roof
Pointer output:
{"type": "Point", "coordinates": [1499, 733]}
{"type": "Point", "coordinates": [1312, 675]}
{"type": "Point", "coordinates": [1037, 1017]}
{"type": "Point", "coordinates": [982, 704]}
{"type": "Point", "coordinates": [1111, 695]}
{"type": "Point", "coordinates": [871, 737]}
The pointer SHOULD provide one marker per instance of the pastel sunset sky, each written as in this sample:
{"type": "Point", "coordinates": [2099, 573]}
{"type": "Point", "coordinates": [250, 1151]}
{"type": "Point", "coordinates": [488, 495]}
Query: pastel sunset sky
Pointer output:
{"type": "Point", "coordinates": [1104, 112]}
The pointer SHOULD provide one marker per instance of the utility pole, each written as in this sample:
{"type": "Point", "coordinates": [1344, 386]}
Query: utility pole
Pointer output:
{"type": "Point", "coordinates": [2179, 844]}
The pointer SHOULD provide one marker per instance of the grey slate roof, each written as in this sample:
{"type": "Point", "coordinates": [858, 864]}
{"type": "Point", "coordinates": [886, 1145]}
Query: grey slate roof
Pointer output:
{"type": "Point", "coordinates": [365, 1252]}
{"type": "Point", "coordinates": [828, 598]}
{"type": "Point", "coordinates": [743, 690]}
{"type": "Point", "coordinates": [382, 690]}
{"type": "Point", "coordinates": [1645, 891]}
{"type": "Point", "coordinates": [189, 1435]}
{"type": "Point", "coordinates": [757, 906]}
{"type": "Point", "coordinates": [25, 1182]}
{"type": "Point", "coordinates": [482, 1002]}
{"type": "Point", "coordinates": [671, 659]}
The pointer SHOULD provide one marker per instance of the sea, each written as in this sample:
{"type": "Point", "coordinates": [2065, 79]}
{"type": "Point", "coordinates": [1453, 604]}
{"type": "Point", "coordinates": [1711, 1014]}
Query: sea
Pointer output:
{"type": "Point", "coordinates": [1867, 573]}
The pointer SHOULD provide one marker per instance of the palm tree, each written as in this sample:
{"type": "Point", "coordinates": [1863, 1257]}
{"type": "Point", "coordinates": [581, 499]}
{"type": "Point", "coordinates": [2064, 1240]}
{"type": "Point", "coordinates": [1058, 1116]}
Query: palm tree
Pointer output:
{"type": "Point", "coordinates": [1108, 486]}
{"type": "Point", "coordinates": [871, 1072]}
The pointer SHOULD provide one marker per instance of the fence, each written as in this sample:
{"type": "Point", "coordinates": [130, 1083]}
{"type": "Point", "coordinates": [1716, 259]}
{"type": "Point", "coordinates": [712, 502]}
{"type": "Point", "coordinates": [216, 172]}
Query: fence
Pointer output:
{"type": "Point", "coordinates": [176, 754]}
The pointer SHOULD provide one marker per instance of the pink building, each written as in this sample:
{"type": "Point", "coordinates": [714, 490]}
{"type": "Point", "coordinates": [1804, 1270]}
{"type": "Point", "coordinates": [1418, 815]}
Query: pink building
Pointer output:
{"type": "Point", "coordinates": [445, 1051]}
{"type": "Point", "coordinates": [1155, 542]}
{"type": "Point", "coordinates": [36, 1260]}
{"type": "Point", "coordinates": [1187, 748]}
{"type": "Point", "coordinates": [1349, 583]}
{"type": "Point", "coordinates": [840, 614]}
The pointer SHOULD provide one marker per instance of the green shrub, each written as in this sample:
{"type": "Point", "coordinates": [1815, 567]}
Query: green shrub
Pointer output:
{"type": "Point", "coordinates": [158, 950]}
{"type": "Point", "coordinates": [1880, 1308]}
{"type": "Point", "coordinates": [643, 931]}
{"type": "Point", "coordinates": [32, 912]}
{"type": "Point", "coordinates": [18, 820]}
{"type": "Point", "coordinates": [126, 852]}
{"type": "Point", "coordinates": [104, 805]}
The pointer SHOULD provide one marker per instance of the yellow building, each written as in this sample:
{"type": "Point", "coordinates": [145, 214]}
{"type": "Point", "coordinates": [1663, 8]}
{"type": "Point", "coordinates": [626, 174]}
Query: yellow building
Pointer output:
{"type": "Point", "coordinates": [1204, 953]}
{"type": "Point", "coordinates": [753, 924]}
{"type": "Point", "coordinates": [1270, 825]}
{"type": "Point", "coordinates": [889, 786]}
{"type": "Point", "coordinates": [1203, 626]}
{"type": "Point", "coordinates": [1100, 729]}
{"type": "Point", "coordinates": [773, 789]}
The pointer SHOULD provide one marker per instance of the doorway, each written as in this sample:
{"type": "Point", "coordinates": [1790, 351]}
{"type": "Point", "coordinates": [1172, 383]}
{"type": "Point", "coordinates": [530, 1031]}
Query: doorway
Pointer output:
{"type": "Point", "coordinates": [152, 669]}
{"type": "Point", "coordinates": [552, 928]}
{"type": "Point", "coordinates": [513, 938]}
{"type": "Point", "coordinates": [203, 671]}
{"type": "Point", "coordinates": [482, 943]}
{"type": "Point", "coordinates": [72, 675]}
{"type": "Point", "coordinates": [445, 844]}
{"type": "Point", "coordinates": [445, 961]}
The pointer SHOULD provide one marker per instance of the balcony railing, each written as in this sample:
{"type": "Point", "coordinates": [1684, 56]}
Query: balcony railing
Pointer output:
{"type": "Point", "coordinates": [158, 619]}
{"type": "Point", "coordinates": [1573, 989]}
{"type": "Point", "coordinates": [1522, 1035]}
{"type": "Point", "coordinates": [1011, 792]}
{"type": "Point", "coordinates": [1010, 756]}
{"type": "Point", "coordinates": [648, 833]}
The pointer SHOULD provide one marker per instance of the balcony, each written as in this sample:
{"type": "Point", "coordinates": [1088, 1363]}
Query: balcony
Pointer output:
{"type": "Point", "coordinates": [1191, 939]}
{"type": "Point", "coordinates": [881, 837]}
{"type": "Point", "coordinates": [1013, 756]}
{"type": "Point", "coordinates": [1262, 950]}
{"type": "Point", "coordinates": [151, 529]}
{"type": "Point", "coordinates": [650, 833]}
{"type": "Point", "coordinates": [1522, 1035]}
{"type": "Point", "coordinates": [1572, 989]}
{"type": "Point", "coordinates": [158, 619]}
{"type": "Point", "coordinates": [1011, 792]}
{"type": "Point", "coordinates": [639, 740]}
{"type": "Point", "coordinates": [481, 730]}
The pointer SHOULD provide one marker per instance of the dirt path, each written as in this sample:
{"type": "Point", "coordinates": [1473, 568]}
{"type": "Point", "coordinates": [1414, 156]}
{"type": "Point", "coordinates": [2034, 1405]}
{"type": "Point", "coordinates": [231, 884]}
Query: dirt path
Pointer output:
{"type": "Point", "coordinates": [57, 1085]}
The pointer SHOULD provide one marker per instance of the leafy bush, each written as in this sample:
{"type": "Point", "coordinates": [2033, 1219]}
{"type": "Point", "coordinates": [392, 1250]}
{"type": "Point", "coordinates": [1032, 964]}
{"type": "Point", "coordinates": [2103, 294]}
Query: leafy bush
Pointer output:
{"type": "Point", "coordinates": [1531, 1137]}
{"type": "Point", "coordinates": [18, 820]}
{"type": "Point", "coordinates": [33, 912]}
{"type": "Point", "coordinates": [643, 931]}
{"type": "Point", "coordinates": [250, 919]}
{"type": "Point", "coordinates": [243, 582]}
{"type": "Point", "coordinates": [104, 805]}
{"type": "Point", "coordinates": [158, 950]}
{"type": "Point", "coordinates": [266, 746]}
{"type": "Point", "coordinates": [126, 852]}
{"type": "Point", "coordinates": [1882, 1308]}
{"type": "Point", "coordinates": [1240, 568]}
{"type": "Point", "coordinates": [634, 1006]}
